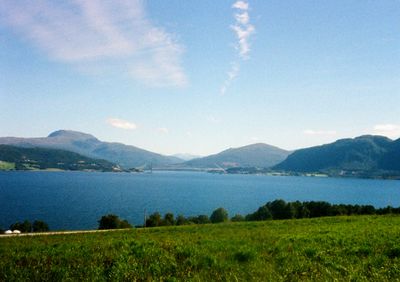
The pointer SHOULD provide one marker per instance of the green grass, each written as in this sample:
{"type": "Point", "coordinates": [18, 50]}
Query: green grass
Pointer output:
{"type": "Point", "coordinates": [362, 248]}
{"type": "Point", "coordinates": [7, 165]}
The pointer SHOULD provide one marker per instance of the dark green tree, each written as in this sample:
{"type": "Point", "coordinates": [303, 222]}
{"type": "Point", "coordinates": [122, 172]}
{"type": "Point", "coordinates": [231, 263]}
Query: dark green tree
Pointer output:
{"type": "Point", "coordinates": [263, 213]}
{"type": "Point", "coordinates": [25, 226]}
{"type": "Point", "coordinates": [154, 220]}
{"type": "Point", "coordinates": [219, 215]}
{"type": "Point", "coordinates": [281, 210]}
{"type": "Point", "coordinates": [112, 221]}
{"type": "Point", "coordinates": [181, 220]}
{"type": "Point", "coordinates": [40, 226]}
{"type": "Point", "coordinates": [202, 219]}
{"type": "Point", "coordinates": [168, 219]}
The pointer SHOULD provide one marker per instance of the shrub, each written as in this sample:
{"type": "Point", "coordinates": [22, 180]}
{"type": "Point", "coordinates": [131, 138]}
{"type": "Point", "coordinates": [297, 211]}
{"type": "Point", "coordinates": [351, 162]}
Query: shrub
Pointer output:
{"type": "Point", "coordinates": [237, 218]}
{"type": "Point", "coordinates": [219, 215]}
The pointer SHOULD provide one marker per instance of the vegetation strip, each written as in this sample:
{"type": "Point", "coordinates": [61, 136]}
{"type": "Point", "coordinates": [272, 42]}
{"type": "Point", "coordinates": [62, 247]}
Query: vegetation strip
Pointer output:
{"type": "Point", "coordinates": [361, 248]}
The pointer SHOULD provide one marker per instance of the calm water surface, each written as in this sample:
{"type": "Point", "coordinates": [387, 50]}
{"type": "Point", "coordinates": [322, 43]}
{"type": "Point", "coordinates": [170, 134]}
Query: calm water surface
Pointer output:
{"type": "Point", "coordinates": [76, 200]}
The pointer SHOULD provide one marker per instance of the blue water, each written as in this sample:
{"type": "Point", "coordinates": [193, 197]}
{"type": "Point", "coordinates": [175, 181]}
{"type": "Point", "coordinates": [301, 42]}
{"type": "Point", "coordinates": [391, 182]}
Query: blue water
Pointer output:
{"type": "Point", "coordinates": [76, 200]}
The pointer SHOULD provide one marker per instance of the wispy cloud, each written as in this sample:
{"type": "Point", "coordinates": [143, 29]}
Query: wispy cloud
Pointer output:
{"type": "Point", "coordinates": [120, 123]}
{"type": "Point", "coordinates": [319, 132]}
{"type": "Point", "coordinates": [243, 30]}
{"type": "Point", "coordinates": [92, 33]}
{"type": "Point", "coordinates": [389, 130]}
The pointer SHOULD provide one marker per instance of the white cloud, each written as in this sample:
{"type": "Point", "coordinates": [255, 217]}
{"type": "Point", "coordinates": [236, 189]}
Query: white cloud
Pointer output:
{"type": "Point", "coordinates": [319, 132]}
{"type": "Point", "coordinates": [242, 5]}
{"type": "Point", "coordinates": [243, 30]}
{"type": "Point", "coordinates": [120, 123]}
{"type": "Point", "coordinates": [232, 74]}
{"type": "Point", "coordinates": [389, 130]}
{"type": "Point", "coordinates": [163, 130]}
{"type": "Point", "coordinates": [92, 33]}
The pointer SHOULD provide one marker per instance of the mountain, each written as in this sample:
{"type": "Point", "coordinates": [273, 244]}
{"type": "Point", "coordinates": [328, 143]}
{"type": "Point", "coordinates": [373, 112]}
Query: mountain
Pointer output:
{"type": "Point", "coordinates": [85, 144]}
{"type": "Point", "coordinates": [255, 155]}
{"type": "Point", "coordinates": [186, 157]}
{"type": "Point", "coordinates": [40, 158]}
{"type": "Point", "coordinates": [362, 155]}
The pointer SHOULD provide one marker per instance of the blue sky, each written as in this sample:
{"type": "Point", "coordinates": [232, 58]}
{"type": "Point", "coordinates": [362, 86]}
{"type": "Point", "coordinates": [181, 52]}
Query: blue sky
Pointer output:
{"type": "Point", "coordinates": [201, 76]}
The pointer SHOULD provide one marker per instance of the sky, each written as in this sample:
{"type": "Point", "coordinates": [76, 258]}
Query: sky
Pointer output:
{"type": "Point", "coordinates": [201, 76]}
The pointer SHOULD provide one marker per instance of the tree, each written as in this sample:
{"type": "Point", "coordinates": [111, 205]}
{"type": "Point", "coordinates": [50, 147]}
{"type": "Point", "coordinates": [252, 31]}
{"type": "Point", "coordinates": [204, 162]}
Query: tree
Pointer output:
{"type": "Point", "coordinates": [25, 226]}
{"type": "Point", "coordinates": [263, 213]}
{"type": "Point", "coordinates": [40, 226]}
{"type": "Point", "coordinates": [181, 220]}
{"type": "Point", "coordinates": [169, 219]}
{"type": "Point", "coordinates": [112, 221]}
{"type": "Point", "coordinates": [202, 219]}
{"type": "Point", "coordinates": [219, 215]}
{"type": "Point", "coordinates": [154, 220]}
{"type": "Point", "coordinates": [280, 209]}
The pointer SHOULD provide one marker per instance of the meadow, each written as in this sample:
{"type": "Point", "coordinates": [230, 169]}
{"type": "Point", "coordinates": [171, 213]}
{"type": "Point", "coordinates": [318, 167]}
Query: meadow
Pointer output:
{"type": "Point", "coordinates": [352, 248]}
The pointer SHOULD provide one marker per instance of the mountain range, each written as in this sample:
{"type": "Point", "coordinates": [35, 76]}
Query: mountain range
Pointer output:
{"type": "Point", "coordinates": [363, 156]}
{"type": "Point", "coordinates": [126, 156]}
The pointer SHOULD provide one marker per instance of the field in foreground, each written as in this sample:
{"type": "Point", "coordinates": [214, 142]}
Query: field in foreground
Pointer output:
{"type": "Point", "coordinates": [323, 249]}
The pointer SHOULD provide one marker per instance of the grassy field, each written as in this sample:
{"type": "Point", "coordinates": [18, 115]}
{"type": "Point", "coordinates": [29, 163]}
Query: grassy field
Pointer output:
{"type": "Point", "coordinates": [6, 165]}
{"type": "Point", "coordinates": [361, 248]}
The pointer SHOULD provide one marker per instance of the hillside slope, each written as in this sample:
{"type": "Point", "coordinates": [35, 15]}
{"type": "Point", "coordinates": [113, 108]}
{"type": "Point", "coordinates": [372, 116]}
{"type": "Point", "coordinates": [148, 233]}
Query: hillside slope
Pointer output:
{"type": "Point", "coordinates": [255, 155]}
{"type": "Point", "coordinates": [41, 158]}
{"type": "Point", "coordinates": [124, 155]}
{"type": "Point", "coordinates": [364, 154]}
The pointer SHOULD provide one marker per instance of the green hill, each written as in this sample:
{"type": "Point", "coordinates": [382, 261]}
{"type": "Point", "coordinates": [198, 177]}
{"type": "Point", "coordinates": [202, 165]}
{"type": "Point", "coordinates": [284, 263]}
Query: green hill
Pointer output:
{"type": "Point", "coordinates": [354, 248]}
{"type": "Point", "coordinates": [12, 157]}
{"type": "Point", "coordinates": [255, 155]}
{"type": "Point", "coordinates": [362, 156]}
{"type": "Point", "coordinates": [87, 145]}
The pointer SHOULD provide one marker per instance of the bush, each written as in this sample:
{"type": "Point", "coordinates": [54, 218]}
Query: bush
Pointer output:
{"type": "Point", "coordinates": [111, 221]}
{"type": "Point", "coordinates": [200, 219]}
{"type": "Point", "coordinates": [219, 215]}
{"type": "Point", "coordinates": [237, 218]}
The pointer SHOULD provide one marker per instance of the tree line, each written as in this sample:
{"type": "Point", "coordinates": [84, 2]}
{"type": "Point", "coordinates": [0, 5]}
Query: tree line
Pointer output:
{"type": "Point", "coordinates": [26, 226]}
{"type": "Point", "coordinates": [275, 210]}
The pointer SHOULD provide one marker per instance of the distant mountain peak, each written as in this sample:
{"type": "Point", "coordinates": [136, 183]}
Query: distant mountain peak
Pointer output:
{"type": "Point", "coordinates": [253, 155]}
{"type": "Point", "coordinates": [70, 134]}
